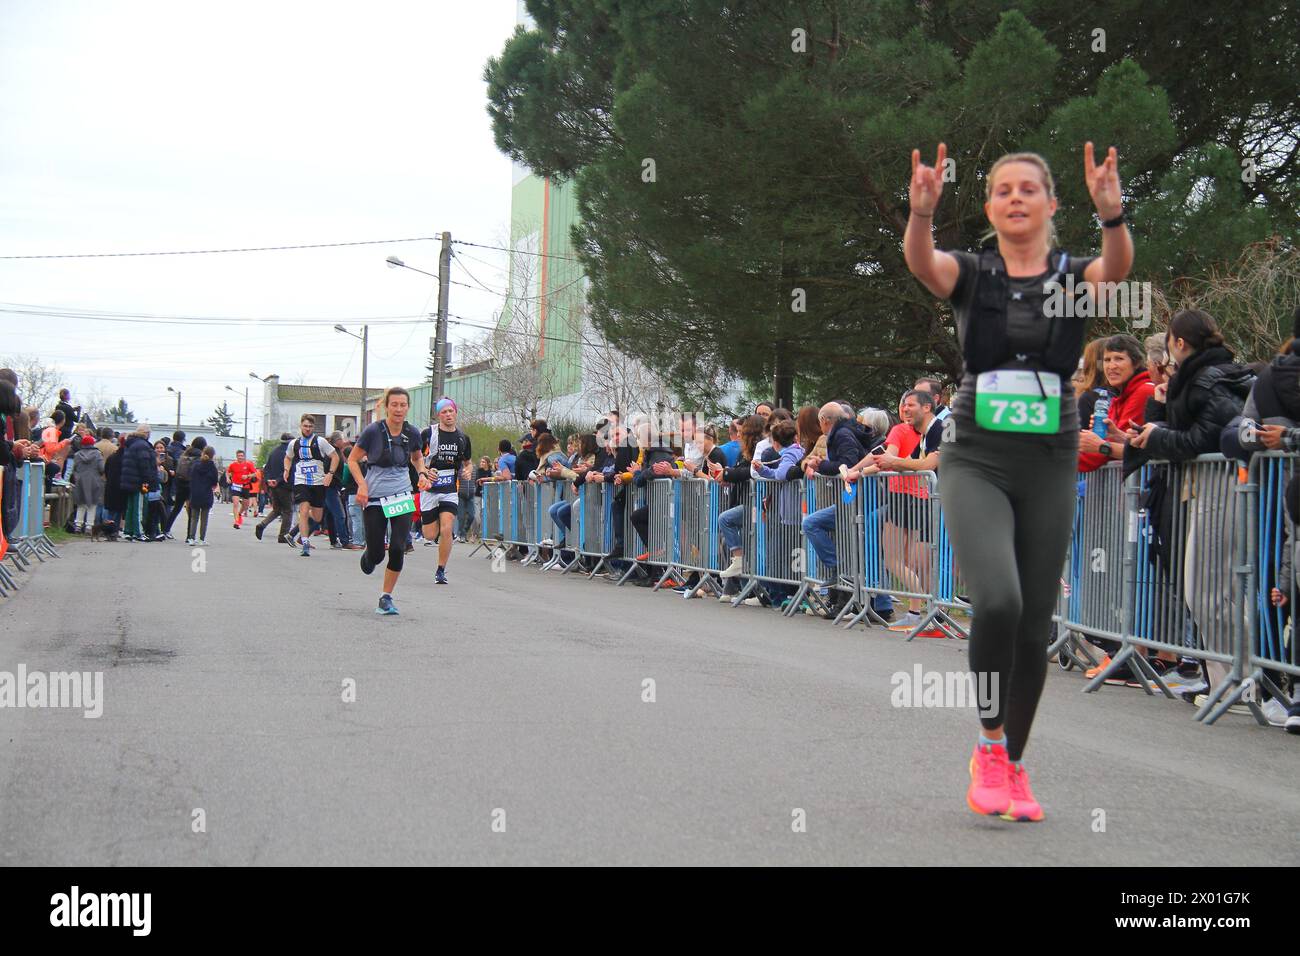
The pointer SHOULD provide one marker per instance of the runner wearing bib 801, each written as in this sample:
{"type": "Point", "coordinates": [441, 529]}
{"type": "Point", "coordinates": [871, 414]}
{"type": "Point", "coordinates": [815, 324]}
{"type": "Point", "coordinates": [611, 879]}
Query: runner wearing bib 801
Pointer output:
{"type": "Point", "coordinates": [1008, 477]}
{"type": "Point", "coordinates": [392, 448]}
{"type": "Point", "coordinates": [449, 459]}
{"type": "Point", "coordinates": [310, 464]}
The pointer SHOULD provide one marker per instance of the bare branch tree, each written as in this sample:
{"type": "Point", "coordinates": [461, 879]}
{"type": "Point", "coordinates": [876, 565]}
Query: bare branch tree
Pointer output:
{"type": "Point", "coordinates": [38, 383]}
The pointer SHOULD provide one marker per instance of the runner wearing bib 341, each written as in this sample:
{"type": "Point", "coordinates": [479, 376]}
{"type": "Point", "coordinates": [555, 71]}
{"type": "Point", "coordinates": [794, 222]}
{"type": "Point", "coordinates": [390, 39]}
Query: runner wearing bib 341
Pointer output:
{"type": "Point", "coordinates": [310, 464]}
{"type": "Point", "coordinates": [448, 456]}
{"type": "Point", "coordinates": [392, 448]}
{"type": "Point", "coordinates": [1008, 475]}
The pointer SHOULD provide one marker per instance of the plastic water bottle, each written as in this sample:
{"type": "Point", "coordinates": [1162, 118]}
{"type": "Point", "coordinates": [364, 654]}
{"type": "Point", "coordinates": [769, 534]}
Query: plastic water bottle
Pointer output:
{"type": "Point", "coordinates": [1099, 412]}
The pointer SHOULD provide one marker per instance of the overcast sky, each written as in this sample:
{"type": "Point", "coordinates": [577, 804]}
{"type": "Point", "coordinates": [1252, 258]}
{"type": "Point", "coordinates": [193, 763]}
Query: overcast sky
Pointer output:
{"type": "Point", "coordinates": [156, 125]}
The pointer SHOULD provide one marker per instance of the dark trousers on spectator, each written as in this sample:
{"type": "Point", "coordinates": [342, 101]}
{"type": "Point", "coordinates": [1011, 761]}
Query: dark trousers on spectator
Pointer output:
{"type": "Point", "coordinates": [281, 506]}
{"type": "Point", "coordinates": [641, 521]}
{"type": "Point", "coordinates": [155, 518]}
{"type": "Point", "coordinates": [179, 499]}
{"type": "Point", "coordinates": [336, 521]}
{"type": "Point", "coordinates": [197, 526]}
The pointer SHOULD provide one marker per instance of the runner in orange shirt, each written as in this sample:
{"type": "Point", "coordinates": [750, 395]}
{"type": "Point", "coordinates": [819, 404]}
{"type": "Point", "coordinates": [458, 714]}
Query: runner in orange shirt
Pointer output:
{"type": "Point", "coordinates": [241, 473]}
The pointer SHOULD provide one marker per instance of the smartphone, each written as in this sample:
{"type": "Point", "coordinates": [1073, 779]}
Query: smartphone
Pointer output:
{"type": "Point", "coordinates": [879, 449]}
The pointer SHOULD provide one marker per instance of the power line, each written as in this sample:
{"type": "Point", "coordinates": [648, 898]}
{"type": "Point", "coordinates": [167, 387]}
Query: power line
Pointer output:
{"type": "Point", "coordinates": [209, 252]}
{"type": "Point", "coordinates": [205, 322]}
{"type": "Point", "coordinates": [525, 252]}
{"type": "Point", "coordinates": [507, 295]}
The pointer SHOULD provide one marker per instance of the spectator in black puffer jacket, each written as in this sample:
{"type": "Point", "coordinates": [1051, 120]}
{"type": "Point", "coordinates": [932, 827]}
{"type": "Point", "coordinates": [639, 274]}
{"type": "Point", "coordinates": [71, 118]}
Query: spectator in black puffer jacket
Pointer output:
{"type": "Point", "coordinates": [139, 474]}
{"type": "Point", "coordinates": [1206, 392]}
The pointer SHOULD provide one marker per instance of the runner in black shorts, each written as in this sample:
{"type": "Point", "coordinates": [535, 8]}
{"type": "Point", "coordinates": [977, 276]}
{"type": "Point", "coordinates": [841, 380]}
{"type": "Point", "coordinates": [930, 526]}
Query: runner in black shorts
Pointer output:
{"type": "Point", "coordinates": [310, 464]}
{"type": "Point", "coordinates": [448, 457]}
{"type": "Point", "coordinates": [1008, 477]}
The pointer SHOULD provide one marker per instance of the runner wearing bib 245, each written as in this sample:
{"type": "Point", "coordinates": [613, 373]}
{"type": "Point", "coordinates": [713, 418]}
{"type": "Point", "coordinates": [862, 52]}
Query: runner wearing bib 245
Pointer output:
{"type": "Point", "coordinates": [1008, 475]}
{"type": "Point", "coordinates": [310, 464]}
{"type": "Point", "coordinates": [448, 456]}
{"type": "Point", "coordinates": [392, 448]}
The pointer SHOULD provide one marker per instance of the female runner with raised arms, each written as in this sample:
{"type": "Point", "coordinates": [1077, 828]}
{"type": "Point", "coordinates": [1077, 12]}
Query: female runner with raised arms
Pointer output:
{"type": "Point", "coordinates": [1008, 476]}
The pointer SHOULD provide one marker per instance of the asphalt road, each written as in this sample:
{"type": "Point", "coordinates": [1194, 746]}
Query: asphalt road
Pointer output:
{"type": "Point", "coordinates": [516, 699]}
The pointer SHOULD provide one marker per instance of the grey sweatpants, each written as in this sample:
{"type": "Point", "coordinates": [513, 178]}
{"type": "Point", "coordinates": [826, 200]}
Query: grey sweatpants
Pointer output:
{"type": "Point", "coordinates": [1008, 502]}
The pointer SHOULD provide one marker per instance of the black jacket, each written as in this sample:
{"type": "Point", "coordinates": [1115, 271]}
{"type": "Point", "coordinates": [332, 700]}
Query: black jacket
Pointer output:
{"type": "Point", "coordinates": [139, 464]}
{"type": "Point", "coordinates": [653, 453]}
{"type": "Point", "coordinates": [843, 447]}
{"type": "Point", "coordinates": [1204, 394]}
{"type": "Point", "coordinates": [114, 496]}
{"type": "Point", "coordinates": [202, 479]}
{"type": "Point", "coordinates": [273, 470]}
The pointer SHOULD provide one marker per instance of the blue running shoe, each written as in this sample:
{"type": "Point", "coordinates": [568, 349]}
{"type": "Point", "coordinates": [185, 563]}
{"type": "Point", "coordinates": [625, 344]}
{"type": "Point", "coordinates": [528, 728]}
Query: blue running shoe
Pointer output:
{"type": "Point", "coordinates": [386, 605]}
{"type": "Point", "coordinates": [440, 577]}
{"type": "Point", "coordinates": [306, 550]}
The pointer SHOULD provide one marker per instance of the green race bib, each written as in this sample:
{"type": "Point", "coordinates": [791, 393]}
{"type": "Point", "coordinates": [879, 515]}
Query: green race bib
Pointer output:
{"type": "Point", "coordinates": [1012, 400]}
{"type": "Point", "coordinates": [395, 505]}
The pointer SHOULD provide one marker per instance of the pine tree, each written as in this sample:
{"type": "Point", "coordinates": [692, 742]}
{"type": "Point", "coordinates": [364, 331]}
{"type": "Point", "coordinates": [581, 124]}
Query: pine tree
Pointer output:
{"type": "Point", "coordinates": [120, 414]}
{"type": "Point", "coordinates": [221, 420]}
{"type": "Point", "coordinates": [742, 169]}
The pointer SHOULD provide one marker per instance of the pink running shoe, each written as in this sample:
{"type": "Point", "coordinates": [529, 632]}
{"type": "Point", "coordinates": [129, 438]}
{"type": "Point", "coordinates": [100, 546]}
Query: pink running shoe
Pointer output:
{"type": "Point", "coordinates": [1024, 808]}
{"type": "Point", "coordinates": [989, 793]}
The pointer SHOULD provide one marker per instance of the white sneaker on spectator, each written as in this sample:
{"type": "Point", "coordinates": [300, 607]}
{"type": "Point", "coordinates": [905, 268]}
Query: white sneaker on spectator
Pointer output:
{"type": "Point", "coordinates": [1274, 712]}
{"type": "Point", "coordinates": [734, 568]}
{"type": "Point", "coordinates": [752, 602]}
{"type": "Point", "coordinates": [547, 543]}
{"type": "Point", "coordinates": [726, 598]}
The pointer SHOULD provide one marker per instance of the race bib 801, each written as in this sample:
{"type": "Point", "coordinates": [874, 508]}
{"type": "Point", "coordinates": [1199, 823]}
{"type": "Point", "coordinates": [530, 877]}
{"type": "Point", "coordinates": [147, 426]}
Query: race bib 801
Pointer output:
{"type": "Point", "coordinates": [395, 505]}
{"type": "Point", "coordinates": [1011, 400]}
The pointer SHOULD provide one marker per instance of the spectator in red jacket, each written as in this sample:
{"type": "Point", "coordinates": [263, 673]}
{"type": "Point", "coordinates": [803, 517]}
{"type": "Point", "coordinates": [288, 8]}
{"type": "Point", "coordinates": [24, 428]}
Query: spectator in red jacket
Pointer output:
{"type": "Point", "coordinates": [1124, 367]}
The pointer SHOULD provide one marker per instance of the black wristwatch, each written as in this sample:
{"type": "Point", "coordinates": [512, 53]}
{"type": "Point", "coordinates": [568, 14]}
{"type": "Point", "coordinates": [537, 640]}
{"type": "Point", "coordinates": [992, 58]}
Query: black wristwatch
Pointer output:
{"type": "Point", "coordinates": [1106, 445]}
{"type": "Point", "coordinates": [1117, 221]}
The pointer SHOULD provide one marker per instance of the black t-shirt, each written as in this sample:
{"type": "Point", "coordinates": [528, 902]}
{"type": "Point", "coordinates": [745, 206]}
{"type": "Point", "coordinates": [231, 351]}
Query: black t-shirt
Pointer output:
{"type": "Point", "coordinates": [445, 460]}
{"type": "Point", "coordinates": [930, 441]}
{"type": "Point", "coordinates": [1027, 331]}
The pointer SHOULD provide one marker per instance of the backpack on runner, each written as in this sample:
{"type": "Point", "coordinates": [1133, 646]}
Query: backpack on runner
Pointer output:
{"type": "Point", "coordinates": [185, 465]}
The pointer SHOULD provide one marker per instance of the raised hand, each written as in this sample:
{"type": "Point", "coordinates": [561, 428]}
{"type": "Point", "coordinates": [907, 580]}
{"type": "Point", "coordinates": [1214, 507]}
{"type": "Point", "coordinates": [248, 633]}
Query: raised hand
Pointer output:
{"type": "Point", "coordinates": [1103, 182]}
{"type": "Point", "coordinates": [927, 182]}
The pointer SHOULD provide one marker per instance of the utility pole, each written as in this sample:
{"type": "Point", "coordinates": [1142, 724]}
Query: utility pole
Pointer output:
{"type": "Point", "coordinates": [365, 351]}
{"type": "Point", "coordinates": [444, 287]}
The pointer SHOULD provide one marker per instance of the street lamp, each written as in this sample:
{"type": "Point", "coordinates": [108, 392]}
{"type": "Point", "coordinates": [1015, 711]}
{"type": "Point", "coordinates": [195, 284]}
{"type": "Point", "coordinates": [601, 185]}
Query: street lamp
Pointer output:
{"type": "Point", "coordinates": [178, 406]}
{"type": "Point", "coordinates": [365, 351]}
{"type": "Point", "coordinates": [440, 344]}
{"type": "Point", "coordinates": [236, 391]}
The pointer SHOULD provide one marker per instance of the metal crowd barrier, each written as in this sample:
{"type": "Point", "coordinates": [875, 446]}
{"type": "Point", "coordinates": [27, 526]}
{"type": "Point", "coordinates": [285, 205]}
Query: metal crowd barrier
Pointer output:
{"type": "Point", "coordinates": [1090, 602]}
{"type": "Point", "coordinates": [1186, 579]}
{"type": "Point", "coordinates": [496, 515]}
{"type": "Point", "coordinates": [31, 540]}
{"type": "Point", "coordinates": [1271, 537]}
{"type": "Point", "coordinates": [633, 499]}
{"type": "Point", "coordinates": [592, 517]}
{"type": "Point", "coordinates": [698, 544]}
{"type": "Point", "coordinates": [773, 540]}
{"type": "Point", "coordinates": [905, 548]}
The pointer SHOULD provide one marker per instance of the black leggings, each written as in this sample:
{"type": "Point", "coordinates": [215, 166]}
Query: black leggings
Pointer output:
{"type": "Point", "coordinates": [399, 533]}
{"type": "Point", "coordinates": [1008, 502]}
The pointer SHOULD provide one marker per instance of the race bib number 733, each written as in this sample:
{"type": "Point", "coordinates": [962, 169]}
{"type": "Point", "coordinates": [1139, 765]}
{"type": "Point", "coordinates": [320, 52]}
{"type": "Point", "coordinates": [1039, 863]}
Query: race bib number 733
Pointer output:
{"type": "Point", "coordinates": [1012, 400]}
